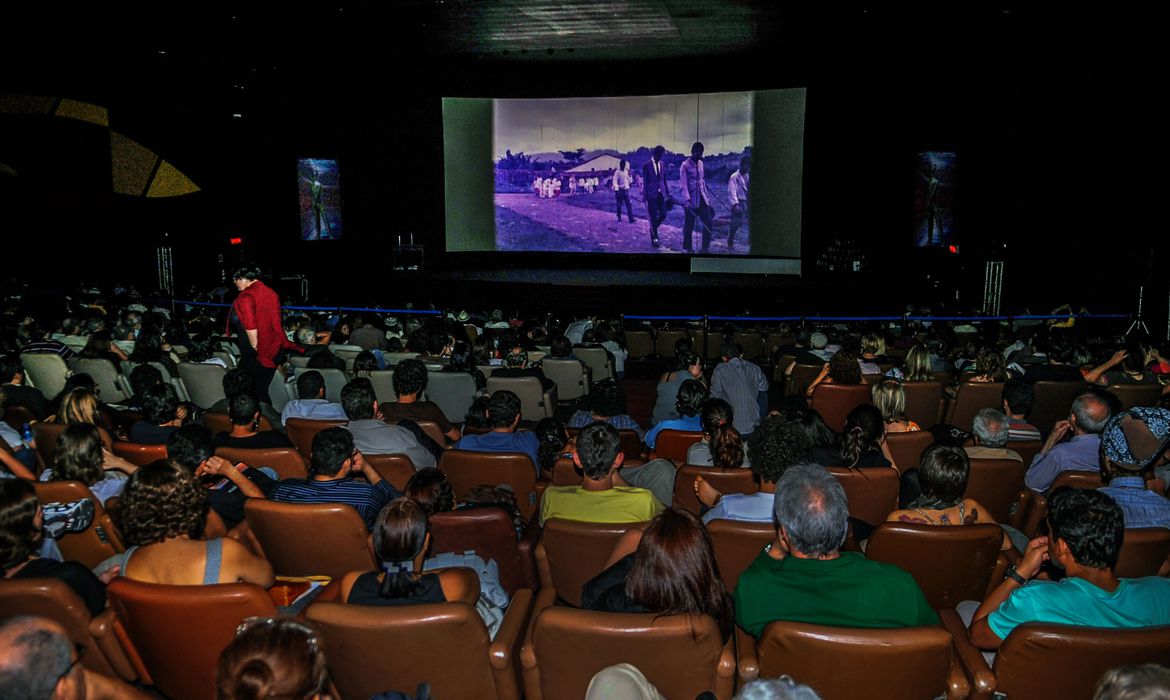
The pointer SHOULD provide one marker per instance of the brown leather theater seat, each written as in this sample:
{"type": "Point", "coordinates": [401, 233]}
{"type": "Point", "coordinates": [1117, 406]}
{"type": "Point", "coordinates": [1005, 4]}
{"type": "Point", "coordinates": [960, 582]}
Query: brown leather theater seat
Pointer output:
{"type": "Point", "coordinates": [972, 397]}
{"type": "Point", "coordinates": [950, 563]}
{"type": "Point", "coordinates": [907, 448]}
{"type": "Point", "coordinates": [570, 553]}
{"type": "Point", "coordinates": [737, 544]}
{"type": "Point", "coordinates": [872, 492]}
{"type": "Point", "coordinates": [1143, 552]}
{"type": "Point", "coordinates": [100, 541]}
{"type": "Point", "coordinates": [467, 469]}
{"type": "Point", "coordinates": [491, 534]}
{"type": "Point", "coordinates": [287, 462]}
{"type": "Point", "coordinates": [998, 485]}
{"type": "Point", "coordinates": [737, 480]}
{"type": "Point", "coordinates": [303, 539]}
{"type": "Point", "coordinates": [835, 401]}
{"type": "Point", "coordinates": [673, 444]}
{"type": "Point", "coordinates": [301, 432]}
{"type": "Point", "coordinates": [139, 454]}
{"type": "Point", "coordinates": [397, 469]}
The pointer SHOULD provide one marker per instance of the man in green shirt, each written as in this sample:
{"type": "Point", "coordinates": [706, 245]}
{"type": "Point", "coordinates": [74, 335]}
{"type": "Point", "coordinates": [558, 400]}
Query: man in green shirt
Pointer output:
{"type": "Point", "coordinates": [805, 577]}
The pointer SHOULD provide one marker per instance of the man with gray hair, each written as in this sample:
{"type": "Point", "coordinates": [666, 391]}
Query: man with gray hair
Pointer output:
{"type": "Point", "coordinates": [38, 662]}
{"type": "Point", "coordinates": [990, 427]}
{"type": "Point", "coordinates": [803, 576]}
{"type": "Point", "coordinates": [1087, 418]}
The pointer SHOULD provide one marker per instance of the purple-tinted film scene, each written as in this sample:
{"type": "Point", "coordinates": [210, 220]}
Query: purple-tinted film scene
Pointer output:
{"type": "Point", "coordinates": [320, 195]}
{"type": "Point", "coordinates": [934, 199]}
{"type": "Point", "coordinates": [581, 175]}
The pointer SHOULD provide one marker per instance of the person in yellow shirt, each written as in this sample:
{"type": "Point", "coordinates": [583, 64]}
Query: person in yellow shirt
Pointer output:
{"type": "Point", "coordinates": [603, 496]}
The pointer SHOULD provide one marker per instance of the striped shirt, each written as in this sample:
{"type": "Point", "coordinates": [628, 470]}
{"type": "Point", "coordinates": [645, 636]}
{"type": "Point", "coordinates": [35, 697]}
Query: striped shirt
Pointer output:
{"type": "Point", "coordinates": [1021, 430]}
{"type": "Point", "coordinates": [622, 421]}
{"type": "Point", "coordinates": [366, 499]}
{"type": "Point", "coordinates": [739, 383]}
{"type": "Point", "coordinates": [49, 346]}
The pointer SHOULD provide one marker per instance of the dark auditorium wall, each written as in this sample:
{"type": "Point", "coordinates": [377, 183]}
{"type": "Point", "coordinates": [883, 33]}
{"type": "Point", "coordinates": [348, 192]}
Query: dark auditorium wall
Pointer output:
{"type": "Point", "coordinates": [1055, 116]}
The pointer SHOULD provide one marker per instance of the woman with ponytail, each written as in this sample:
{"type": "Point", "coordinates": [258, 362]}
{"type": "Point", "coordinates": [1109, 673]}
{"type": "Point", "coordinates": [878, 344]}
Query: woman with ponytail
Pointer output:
{"type": "Point", "coordinates": [862, 442]}
{"type": "Point", "coordinates": [401, 539]}
{"type": "Point", "coordinates": [722, 445]}
{"type": "Point", "coordinates": [273, 658]}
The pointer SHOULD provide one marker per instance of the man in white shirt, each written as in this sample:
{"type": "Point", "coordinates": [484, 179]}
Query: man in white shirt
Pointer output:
{"type": "Point", "coordinates": [372, 435]}
{"type": "Point", "coordinates": [312, 403]}
{"type": "Point", "coordinates": [621, 189]}
{"type": "Point", "coordinates": [737, 192]}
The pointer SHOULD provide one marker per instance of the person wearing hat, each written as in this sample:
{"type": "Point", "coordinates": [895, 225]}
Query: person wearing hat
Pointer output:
{"type": "Point", "coordinates": [1085, 421]}
{"type": "Point", "coordinates": [1132, 443]}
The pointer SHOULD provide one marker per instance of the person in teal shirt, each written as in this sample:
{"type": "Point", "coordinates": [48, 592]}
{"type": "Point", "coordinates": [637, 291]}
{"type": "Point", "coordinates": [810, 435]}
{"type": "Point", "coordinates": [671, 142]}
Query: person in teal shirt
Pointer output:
{"type": "Point", "coordinates": [805, 577]}
{"type": "Point", "coordinates": [1086, 529]}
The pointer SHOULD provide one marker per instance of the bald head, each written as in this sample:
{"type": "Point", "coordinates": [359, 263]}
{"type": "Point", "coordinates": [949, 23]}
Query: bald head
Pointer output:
{"type": "Point", "coordinates": [35, 654]}
{"type": "Point", "coordinates": [1089, 414]}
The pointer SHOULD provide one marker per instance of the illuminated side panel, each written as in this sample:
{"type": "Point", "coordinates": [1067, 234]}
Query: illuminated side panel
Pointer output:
{"type": "Point", "coordinates": [83, 111]}
{"type": "Point", "coordinates": [132, 165]}
{"type": "Point", "coordinates": [169, 182]}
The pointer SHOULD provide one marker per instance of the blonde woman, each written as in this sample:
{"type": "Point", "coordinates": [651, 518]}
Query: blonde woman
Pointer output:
{"type": "Point", "coordinates": [916, 368]}
{"type": "Point", "coordinates": [890, 399]}
{"type": "Point", "coordinates": [81, 406]}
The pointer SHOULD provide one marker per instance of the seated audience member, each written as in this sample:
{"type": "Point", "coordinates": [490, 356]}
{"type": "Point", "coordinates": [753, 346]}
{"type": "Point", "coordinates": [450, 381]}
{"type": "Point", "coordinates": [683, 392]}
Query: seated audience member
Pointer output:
{"type": "Point", "coordinates": [318, 353]}
{"type": "Point", "coordinates": [722, 445]}
{"type": "Point", "coordinates": [989, 367]}
{"type": "Point", "coordinates": [890, 398]}
{"type": "Point", "coordinates": [79, 456]}
{"type": "Point", "coordinates": [689, 403]}
{"type": "Point", "coordinates": [607, 403]}
{"type": "Point", "coordinates": [516, 365]}
{"type": "Point", "coordinates": [743, 385]}
{"type": "Point", "coordinates": [1087, 418]}
{"type": "Point", "coordinates": [366, 334]}
{"type": "Point", "coordinates": [161, 416]}
{"type": "Point", "coordinates": [244, 411]}
{"type": "Point", "coordinates": [477, 415]}
{"type": "Point", "coordinates": [1085, 534]}
{"type": "Point", "coordinates": [777, 444]}
{"type": "Point", "coordinates": [690, 366]}
{"type": "Point", "coordinates": [463, 360]}
{"type": "Point", "coordinates": [862, 442]}
{"type": "Point", "coordinates": [941, 479]}
{"type": "Point", "coordinates": [19, 460]}
{"type": "Point", "coordinates": [81, 405]}
{"type": "Point", "coordinates": [21, 539]}
{"type": "Point", "coordinates": [917, 366]}
{"type": "Point", "coordinates": [503, 416]}
{"type": "Point", "coordinates": [333, 467]}
{"type": "Point", "coordinates": [38, 661]}
{"type": "Point", "coordinates": [561, 348]}
{"type": "Point", "coordinates": [553, 443]}
{"type": "Point", "coordinates": [100, 346]}
{"type": "Point", "coordinates": [192, 448]}
{"type": "Point", "coordinates": [401, 538]}
{"type": "Point", "coordinates": [431, 489]}
{"type": "Point", "coordinates": [1133, 361]}
{"type": "Point", "coordinates": [843, 368]}
{"type": "Point", "coordinates": [151, 346]}
{"type": "Point", "coordinates": [200, 352]}
{"type": "Point", "coordinates": [1018, 397]}
{"type": "Point", "coordinates": [990, 428]}
{"type": "Point", "coordinates": [311, 402]}
{"type": "Point", "coordinates": [668, 569]}
{"type": "Point", "coordinates": [161, 516]}
{"type": "Point", "coordinates": [603, 496]}
{"type": "Point", "coordinates": [1136, 682]}
{"type": "Point", "coordinates": [365, 363]}
{"type": "Point", "coordinates": [873, 352]}
{"type": "Point", "coordinates": [12, 383]}
{"type": "Point", "coordinates": [377, 437]}
{"type": "Point", "coordinates": [143, 377]}
{"type": "Point", "coordinates": [805, 577]}
{"type": "Point", "coordinates": [410, 379]}
{"type": "Point", "coordinates": [273, 658]}
{"type": "Point", "coordinates": [1054, 366]}
{"type": "Point", "coordinates": [1133, 443]}
{"type": "Point", "coordinates": [237, 381]}
{"type": "Point", "coordinates": [40, 342]}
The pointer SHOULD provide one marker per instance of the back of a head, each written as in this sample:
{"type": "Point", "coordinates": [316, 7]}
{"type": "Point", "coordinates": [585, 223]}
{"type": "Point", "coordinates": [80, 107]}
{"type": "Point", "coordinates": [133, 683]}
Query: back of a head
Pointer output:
{"type": "Point", "coordinates": [873, 344]}
{"type": "Point", "coordinates": [943, 474]}
{"type": "Point", "coordinates": [607, 399]}
{"type": "Point", "coordinates": [1091, 412]}
{"type": "Point", "coordinates": [399, 537]}
{"type": "Point", "coordinates": [732, 350]}
{"type": "Point", "coordinates": [692, 394]}
{"type": "Point", "coordinates": [246, 271]}
{"type": "Point", "coordinates": [782, 688]}
{"type": "Point", "coordinates": [715, 412]}
{"type": "Point", "coordinates": [309, 384]}
{"type": "Point", "coordinates": [844, 368]}
{"type": "Point", "coordinates": [477, 413]}
{"type": "Point", "coordinates": [991, 427]}
{"type": "Point", "coordinates": [812, 508]}
{"type": "Point", "coordinates": [358, 398]}
{"type": "Point", "coordinates": [1136, 682]}
{"type": "Point", "coordinates": [775, 446]}
{"type": "Point", "coordinates": [598, 445]}
{"type": "Point", "coordinates": [364, 363]}
{"type": "Point", "coordinates": [410, 377]}
{"type": "Point", "coordinates": [917, 366]}
{"type": "Point", "coordinates": [143, 377]}
{"type": "Point", "coordinates": [516, 359]}
{"type": "Point", "coordinates": [685, 357]}
{"type": "Point", "coordinates": [278, 658]}
{"type": "Point", "coordinates": [19, 536]}
{"type": "Point", "coordinates": [560, 346]}
{"type": "Point", "coordinates": [864, 426]}
{"type": "Point", "coordinates": [161, 501]}
{"type": "Point", "coordinates": [1019, 396]}
{"type": "Point", "coordinates": [190, 446]}
{"type": "Point", "coordinates": [237, 381]}
{"type": "Point", "coordinates": [306, 335]}
{"type": "Point", "coordinates": [78, 454]}
{"type": "Point", "coordinates": [331, 447]}
{"type": "Point", "coordinates": [242, 409]}
{"type": "Point", "coordinates": [1090, 522]}
{"type": "Point", "coordinates": [431, 489]}
{"type": "Point", "coordinates": [553, 437]}
{"type": "Point", "coordinates": [503, 409]}
{"type": "Point", "coordinates": [989, 363]}
{"type": "Point", "coordinates": [890, 398]}
{"type": "Point", "coordinates": [35, 656]}
{"type": "Point", "coordinates": [160, 404]}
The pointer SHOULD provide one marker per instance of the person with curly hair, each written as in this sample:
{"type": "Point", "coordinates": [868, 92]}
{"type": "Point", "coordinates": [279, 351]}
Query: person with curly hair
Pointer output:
{"type": "Point", "coordinates": [554, 443]}
{"type": "Point", "coordinates": [80, 456]}
{"type": "Point", "coordinates": [667, 569]}
{"type": "Point", "coordinates": [410, 379]}
{"type": "Point", "coordinates": [688, 404]}
{"type": "Point", "coordinates": [776, 445]}
{"type": "Point", "coordinates": [161, 516]}
{"type": "Point", "coordinates": [273, 658]}
{"type": "Point", "coordinates": [842, 368]}
{"type": "Point", "coordinates": [431, 489]}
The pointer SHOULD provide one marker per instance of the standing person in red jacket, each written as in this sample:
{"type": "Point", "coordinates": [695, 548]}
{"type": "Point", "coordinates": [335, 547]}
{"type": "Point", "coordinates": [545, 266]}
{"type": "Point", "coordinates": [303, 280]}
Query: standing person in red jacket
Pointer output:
{"type": "Point", "coordinates": [255, 318]}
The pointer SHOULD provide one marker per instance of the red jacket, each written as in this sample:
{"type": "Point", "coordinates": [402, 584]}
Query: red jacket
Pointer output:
{"type": "Point", "coordinates": [258, 308]}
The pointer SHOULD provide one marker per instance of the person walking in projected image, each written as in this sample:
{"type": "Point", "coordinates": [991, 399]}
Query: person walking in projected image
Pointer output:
{"type": "Point", "coordinates": [737, 191]}
{"type": "Point", "coordinates": [621, 190]}
{"type": "Point", "coordinates": [655, 192]}
{"type": "Point", "coordinates": [696, 199]}
{"type": "Point", "coordinates": [317, 191]}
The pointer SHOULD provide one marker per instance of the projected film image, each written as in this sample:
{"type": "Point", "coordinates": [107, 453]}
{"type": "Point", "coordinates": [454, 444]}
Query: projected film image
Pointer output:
{"type": "Point", "coordinates": [934, 221]}
{"type": "Point", "coordinates": [617, 175]}
{"type": "Point", "coordinates": [320, 197]}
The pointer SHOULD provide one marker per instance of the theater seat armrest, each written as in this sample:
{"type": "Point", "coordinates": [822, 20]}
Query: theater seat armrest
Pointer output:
{"type": "Point", "coordinates": [979, 676]}
{"type": "Point", "coordinates": [747, 651]}
{"type": "Point", "coordinates": [102, 630]}
{"type": "Point", "coordinates": [725, 671]}
{"type": "Point", "coordinates": [512, 630]}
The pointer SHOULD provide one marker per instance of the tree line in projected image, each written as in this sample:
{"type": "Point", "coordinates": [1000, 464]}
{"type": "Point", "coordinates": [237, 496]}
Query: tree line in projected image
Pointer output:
{"type": "Point", "coordinates": [557, 185]}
